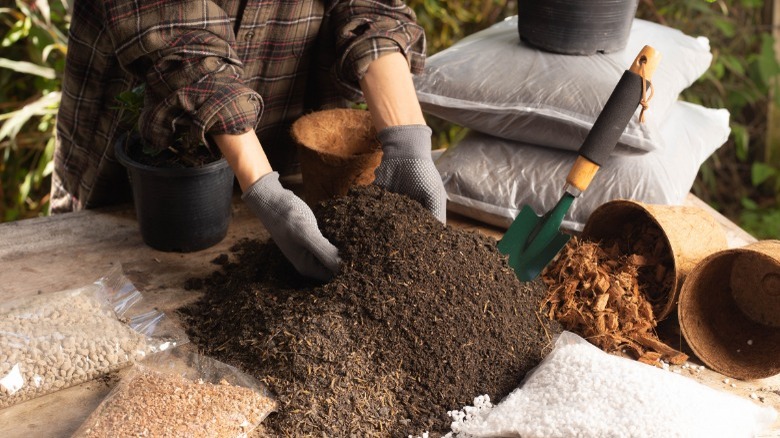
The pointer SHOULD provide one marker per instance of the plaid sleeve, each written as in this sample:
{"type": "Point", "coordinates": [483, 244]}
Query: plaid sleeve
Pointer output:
{"type": "Point", "coordinates": [367, 30]}
{"type": "Point", "coordinates": [183, 51]}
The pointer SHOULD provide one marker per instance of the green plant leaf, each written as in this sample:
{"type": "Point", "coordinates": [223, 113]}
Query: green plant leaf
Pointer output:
{"type": "Point", "coordinates": [733, 63]}
{"type": "Point", "coordinates": [767, 63]}
{"type": "Point", "coordinates": [726, 27]}
{"type": "Point", "coordinates": [718, 69]}
{"type": "Point", "coordinates": [760, 172]}
{"type": "Point", "coordinates": [41, 164]}
{"type": "Point", "coordinates": [24, 189]}
{"type": "Point", "coordinates": [19, 30]}
{"type": "Point", "coordinates": [762, 223]}
{"type": "Point", "coordinates": [748, 203]}
{"type": "Point", "coordinates": [752, 3]}
{"type": "Point", "coordinates": [11, 214]}
{"type": "Point", "coordinates": [741, 140]}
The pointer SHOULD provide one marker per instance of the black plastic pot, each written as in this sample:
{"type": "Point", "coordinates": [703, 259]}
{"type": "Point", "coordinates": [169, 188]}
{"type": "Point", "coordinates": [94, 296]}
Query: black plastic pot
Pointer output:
{"type": "Point", "coordinates": [179, 209]}
{"type": "Point", "coordinates": [576, 27]}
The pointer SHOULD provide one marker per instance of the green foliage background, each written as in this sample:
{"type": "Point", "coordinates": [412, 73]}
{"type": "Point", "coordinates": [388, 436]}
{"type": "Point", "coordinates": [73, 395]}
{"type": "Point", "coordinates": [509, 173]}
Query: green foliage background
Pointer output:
{"type": "Point", "coordinates": [742, 179]}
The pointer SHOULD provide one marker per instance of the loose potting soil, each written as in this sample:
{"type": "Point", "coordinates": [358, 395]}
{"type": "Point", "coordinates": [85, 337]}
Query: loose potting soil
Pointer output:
{"type": "Point", "coordinates": [420, 320]}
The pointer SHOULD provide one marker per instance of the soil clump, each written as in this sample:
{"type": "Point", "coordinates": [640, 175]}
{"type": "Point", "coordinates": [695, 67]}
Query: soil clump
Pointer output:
{"type": "Point", "coordinates": [421, 319]}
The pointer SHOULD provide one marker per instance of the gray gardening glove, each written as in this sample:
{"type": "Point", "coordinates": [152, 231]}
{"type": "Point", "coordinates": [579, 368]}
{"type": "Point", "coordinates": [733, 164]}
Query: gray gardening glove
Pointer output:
{"type": "Point", "coordinates": [293, 227]}
{"type": "Point", "coordinates": [407, 167]}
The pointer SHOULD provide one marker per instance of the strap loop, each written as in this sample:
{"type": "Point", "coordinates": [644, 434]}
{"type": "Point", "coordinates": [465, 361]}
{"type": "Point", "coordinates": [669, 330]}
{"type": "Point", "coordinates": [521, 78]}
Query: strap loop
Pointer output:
{"type": "Point", "coordinates": [644, 101]}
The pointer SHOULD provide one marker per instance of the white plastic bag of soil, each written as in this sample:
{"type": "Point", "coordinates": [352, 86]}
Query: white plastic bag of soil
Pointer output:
{"type": "Point", "coordinates": [57, 340]}
{"type": "Point", "coordinates": [490, 179]}
{"type": "Point", "coordinates": [495, 83]}
{"type": "Point", "coordinates": [579, 390]}
{"type": "Point", "coordinates": [180, 393]}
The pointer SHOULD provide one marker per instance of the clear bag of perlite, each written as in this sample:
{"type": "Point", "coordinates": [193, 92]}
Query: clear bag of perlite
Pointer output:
{"type": "Point", "coordinates": [579, 390]}
{"type": "Point", "coordinates": [57, 340]}
{"type": "Point", "coordinates": [181, 393]}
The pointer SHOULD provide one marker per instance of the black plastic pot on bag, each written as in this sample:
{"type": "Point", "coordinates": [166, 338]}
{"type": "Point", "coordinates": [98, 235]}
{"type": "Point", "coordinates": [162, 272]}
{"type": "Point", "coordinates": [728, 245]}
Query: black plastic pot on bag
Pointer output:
{"type": "Point", "coordinates": [179, 209]}
{"type": "Point", "coordinates": [576, 27]}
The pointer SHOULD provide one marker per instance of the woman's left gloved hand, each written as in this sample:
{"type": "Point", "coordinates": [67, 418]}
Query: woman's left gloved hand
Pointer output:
{"type": "Point", "coordinates": [407, 167]}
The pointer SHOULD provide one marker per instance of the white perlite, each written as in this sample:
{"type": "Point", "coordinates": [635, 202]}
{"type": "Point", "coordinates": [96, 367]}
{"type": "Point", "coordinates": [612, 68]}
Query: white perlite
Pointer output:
{"type": "Point", "coordinates": [53, 341]}
{"type": "Point", "coordinates": [580, 391]}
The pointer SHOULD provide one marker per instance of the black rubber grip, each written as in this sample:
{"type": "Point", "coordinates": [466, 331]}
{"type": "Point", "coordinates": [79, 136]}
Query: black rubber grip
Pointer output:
{"type": "Point", "coordinates": [613, 119]}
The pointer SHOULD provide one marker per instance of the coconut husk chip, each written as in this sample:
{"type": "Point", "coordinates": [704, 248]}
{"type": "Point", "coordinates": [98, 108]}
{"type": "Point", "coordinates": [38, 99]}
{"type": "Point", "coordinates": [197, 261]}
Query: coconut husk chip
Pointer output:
{"type": "Point", "coordinates": [596, 291]}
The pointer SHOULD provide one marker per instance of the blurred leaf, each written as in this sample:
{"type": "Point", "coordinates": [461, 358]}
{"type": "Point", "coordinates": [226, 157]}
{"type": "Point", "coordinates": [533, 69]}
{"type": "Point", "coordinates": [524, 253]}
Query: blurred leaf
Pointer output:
{"type": "Point", "coordinates": [19, 30]}
{"type": "Point", "coordinates": [43, 6]}
{"type": "Point", "coordinates": [29, 68]}
{"type": "Point", "coordinates": [752, 3]}
{"type": "Point", "coordinates": [767, 62]}
{"type": "Point", "coordinates": [15, 120]}
{"type": "Point", "coordinates": [51, 47]}
{"type": "Point", "coordinates": [761, 223]}
{"type": "Point", "coordinates": [733, 63]}
{"type": "Point", "coordinates": [11, 214]}
{"type": "Point", "coordinates": [718, 69]}
{"type": "Point", "coordinates": [725, 26]}
{"type": "Point", "coordinates": [760, 172]}
{"type": "Point", "coordinates": [749, 204]}
{"type": "Point", "coordinates": [46, 162]}
{"type": "Point", "coordinates": [14, 13]}
{"type": "Point", "coordinates": [741, 140]}
{"type": "Point", "coordinates": [24, 188]}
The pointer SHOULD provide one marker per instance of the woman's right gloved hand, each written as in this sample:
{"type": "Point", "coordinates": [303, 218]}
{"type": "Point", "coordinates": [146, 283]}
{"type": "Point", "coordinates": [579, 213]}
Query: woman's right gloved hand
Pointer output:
{"type": "Point", "coordinates": [293, 227]}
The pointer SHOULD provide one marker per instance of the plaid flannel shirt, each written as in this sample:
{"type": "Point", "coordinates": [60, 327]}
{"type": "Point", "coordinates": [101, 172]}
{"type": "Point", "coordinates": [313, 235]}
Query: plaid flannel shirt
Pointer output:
{"type": "Point", "coordinates": [211, 66]}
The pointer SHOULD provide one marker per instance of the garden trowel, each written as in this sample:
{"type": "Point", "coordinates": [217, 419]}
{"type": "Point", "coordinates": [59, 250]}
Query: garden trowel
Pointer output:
{"type": "Point", "coordinates": [531, 242]}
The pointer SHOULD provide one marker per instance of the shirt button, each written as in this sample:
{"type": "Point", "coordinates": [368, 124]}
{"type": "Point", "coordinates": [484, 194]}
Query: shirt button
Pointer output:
{"type": "Point", "coordinates": [249, 35]}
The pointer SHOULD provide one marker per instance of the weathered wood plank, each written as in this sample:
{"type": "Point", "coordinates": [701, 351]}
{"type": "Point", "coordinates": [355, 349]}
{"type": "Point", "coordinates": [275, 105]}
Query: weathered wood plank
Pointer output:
{"type": "Point", "coordinates": [62, 252]}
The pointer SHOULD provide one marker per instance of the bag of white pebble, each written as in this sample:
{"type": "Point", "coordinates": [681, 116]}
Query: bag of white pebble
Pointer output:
{"type": "Point", "coordinates": [57, 340]}
{"type": "Point", "coordinates": [580, 391]}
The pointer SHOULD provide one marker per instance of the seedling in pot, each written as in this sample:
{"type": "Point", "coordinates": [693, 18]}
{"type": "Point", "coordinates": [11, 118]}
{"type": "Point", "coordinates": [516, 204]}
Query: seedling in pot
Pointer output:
{"type": "Point", "coordinates": [182, 152]}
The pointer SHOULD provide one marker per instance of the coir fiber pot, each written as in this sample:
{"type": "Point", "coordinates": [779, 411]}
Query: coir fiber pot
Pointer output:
{"type": "Point", "coordinates": [689, 234]}
{"type": "Point", "coordinates": [338, 150]}
{"type": "Point", "coordinates": [576, 27]}
{"type": "Point", "coordinates": [729, 311]}
{"type": "Point", "coordinates": [181, 209]}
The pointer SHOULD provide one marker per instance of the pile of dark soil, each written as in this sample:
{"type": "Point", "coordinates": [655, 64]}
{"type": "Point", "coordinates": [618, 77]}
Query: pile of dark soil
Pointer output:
{"type": "Point", "coordinates": [421, 319]}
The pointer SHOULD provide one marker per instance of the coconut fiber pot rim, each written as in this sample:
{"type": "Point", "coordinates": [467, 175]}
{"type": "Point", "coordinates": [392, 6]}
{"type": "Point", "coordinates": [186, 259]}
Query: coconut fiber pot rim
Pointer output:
{"type": "Point", "coordinates": [690, 235]}
{"type": "Point", "coordinates": [339, 150]}
{"type": "Point", "coordinates": [726, 338]}
{"type": "Point", "coordinates": [341, 133]}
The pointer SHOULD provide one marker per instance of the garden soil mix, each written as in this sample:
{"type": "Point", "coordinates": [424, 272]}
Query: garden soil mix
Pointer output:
{"type": "Point", "coordinates": [420, 319]}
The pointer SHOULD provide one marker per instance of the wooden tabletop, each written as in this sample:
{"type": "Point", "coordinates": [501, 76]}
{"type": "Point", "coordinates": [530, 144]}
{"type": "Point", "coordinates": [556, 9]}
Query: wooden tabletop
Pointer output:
{"type": "Point", "coordinates": [68, 251]}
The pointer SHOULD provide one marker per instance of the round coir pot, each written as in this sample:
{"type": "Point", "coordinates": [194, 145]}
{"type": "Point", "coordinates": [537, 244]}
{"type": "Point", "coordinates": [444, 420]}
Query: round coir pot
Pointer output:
{"type": "Point", "coordinates": [338, 150]}
{"type": "Point", "coordinates": [180, 209]}
{"type": "Point", "coordinates": [684, 235]}
{"type": "Point", "coordinates": [576, 27]}
{"type": "Point", "coordinates": [729, 311]}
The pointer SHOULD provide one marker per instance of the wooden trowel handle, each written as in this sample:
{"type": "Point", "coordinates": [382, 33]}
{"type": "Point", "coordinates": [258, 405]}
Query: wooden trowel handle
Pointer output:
{"type": "Point", "coordinates": [630, 91]}
{"type": "Point", "coordinates": [648, 58]}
